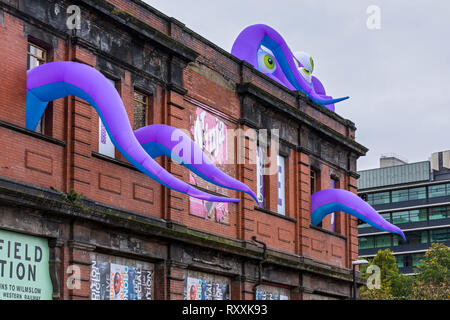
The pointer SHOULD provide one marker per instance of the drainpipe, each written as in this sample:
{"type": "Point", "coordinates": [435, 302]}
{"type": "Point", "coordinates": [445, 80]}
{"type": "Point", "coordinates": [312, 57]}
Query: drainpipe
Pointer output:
{"type": "Point", "coordinates": [259, 265]}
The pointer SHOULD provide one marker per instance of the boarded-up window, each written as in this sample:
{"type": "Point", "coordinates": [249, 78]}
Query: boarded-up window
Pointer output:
{"type": "Point", "coordinates": [140, 109]}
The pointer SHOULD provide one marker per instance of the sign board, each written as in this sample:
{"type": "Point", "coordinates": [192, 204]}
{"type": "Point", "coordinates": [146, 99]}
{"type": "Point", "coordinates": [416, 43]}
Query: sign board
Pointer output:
{"type": "Point", "coordinates": [24, 267]}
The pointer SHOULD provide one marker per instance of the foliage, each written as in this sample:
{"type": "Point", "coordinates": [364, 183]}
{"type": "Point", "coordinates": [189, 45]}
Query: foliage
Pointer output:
{"type": "Point", "coordinates": [435, 267]}
{"type": "Point", "coordinates": [393, 284]}
{"type": "Point", "coordinates": [431, 280]}
{"type": "Point", "coordinates": [433, 275]}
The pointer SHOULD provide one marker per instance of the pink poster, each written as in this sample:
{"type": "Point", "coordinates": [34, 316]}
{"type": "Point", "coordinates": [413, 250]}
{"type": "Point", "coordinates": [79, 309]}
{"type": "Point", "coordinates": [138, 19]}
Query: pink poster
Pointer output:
{"type": "Point", "coordinates": [209, 132]}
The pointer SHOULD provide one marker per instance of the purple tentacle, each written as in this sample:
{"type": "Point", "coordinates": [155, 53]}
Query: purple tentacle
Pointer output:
{"type": "Point", "coordinates": [59, 79]}
{"type": "Point", "coordinates": [176, 144]}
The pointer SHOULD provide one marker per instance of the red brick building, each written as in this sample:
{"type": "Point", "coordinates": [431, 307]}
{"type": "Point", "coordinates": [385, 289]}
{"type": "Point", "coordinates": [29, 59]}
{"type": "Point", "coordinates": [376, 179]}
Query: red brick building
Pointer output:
{"type": "Point", "coordinates": [92, 207]}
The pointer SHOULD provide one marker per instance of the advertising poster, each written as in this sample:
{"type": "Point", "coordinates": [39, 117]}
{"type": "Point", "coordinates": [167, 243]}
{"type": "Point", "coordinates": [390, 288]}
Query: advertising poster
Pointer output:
{"type": "Point", "coordinates": [209, 132]}
{"type": "Point", "coordinates": [271, 293]}
{"type": "Point", "coordinates": [100, 280]}
{"type": "Point", "coordinates": [111, 281]}
{"type": "Point", "coordinates": [105, 145]}
{"type": "Point", "coordinates": [198, 289]}
{"type": "Point", "coordinates": [24, 267]}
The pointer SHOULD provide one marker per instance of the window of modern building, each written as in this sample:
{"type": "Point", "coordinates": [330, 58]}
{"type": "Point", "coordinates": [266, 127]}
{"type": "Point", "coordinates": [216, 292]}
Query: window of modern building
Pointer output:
{"type": "Point", "coordinates": [400, 195]}
{"type": "Point", "coordinates": [105, 145]}
{"type": "Point", "coordinates": [416, 259]}
{"type": "Point", "coordinates": [378, 198]}
{"type": "Point", "coordinates": [438, 190]}
{"type": "Point", "coordinates": [400, 217]}
{"type": "Point", "coordinates": [281, 185]}
{"type": "Point", "coordinates": [409, 194]}
{"type": "Point", "coordinates": [141, 109]}
{"type": "Point", "coordinates": [416, 237]}
{"type": "Point", "coordinates": [383, 241]}
{"type": "Point", "coordinates": [417, 193]}
{"type": "Point", "coordinates": [366, 242]}
{"type": "Point", "coordinates": [400, 259]}
{"type": "Point", "coordinates": [417, 215]}
{"type": "Point", "coordinates": [362, 224]}
{"type": "Point", "coordinates": [440, 235]}
{"type": "Point", "coordinates": [409, 260]}
{"type": "Point", "coordinates": [386, 216]}
{"type": "Point", "coordinates": [37, 56]}
{"type": "Point", "coordinates": [439, 213]}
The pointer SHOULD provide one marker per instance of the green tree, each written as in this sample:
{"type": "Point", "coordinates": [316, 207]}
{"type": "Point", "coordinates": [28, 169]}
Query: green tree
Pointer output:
{"type": "Point", "coordinates": [393, 284]}
{"type": "Point", "coordinates": [432, 281]}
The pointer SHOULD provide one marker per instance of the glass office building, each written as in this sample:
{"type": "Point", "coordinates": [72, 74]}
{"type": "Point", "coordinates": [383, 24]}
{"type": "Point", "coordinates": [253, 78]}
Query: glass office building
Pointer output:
{"type": "Point", "coordinates": [413, 196]}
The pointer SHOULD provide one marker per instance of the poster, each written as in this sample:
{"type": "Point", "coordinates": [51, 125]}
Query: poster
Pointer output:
{"type": "Point", "coordinates": [200, 289]}
{"type": "Point", "coordinates": [281, 203]}
{"type": "Point", "coordinates": [111, 281]}
{"type": "Point", "coordinates": [24, 267]}
{"type": "Point", "coordinates": [209, 132]}
{"type": "Point", "coordinates": [271, 293]}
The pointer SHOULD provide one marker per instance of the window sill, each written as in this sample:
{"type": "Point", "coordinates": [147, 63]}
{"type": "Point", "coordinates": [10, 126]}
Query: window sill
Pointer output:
{"type": "Point", "coordinates": [31, 133]}
{"type": "Point", "coordinates": [328, 231]}
{"type": "Point", "coordinates": [112, 160]}
{"type": "Point", "coordinates": [273, 213]}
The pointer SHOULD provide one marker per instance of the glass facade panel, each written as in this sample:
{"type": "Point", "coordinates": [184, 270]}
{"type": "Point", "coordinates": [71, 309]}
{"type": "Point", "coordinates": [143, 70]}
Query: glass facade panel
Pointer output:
{"type": "Point", "coordinates": [418, 215]}
{"type": "Point", "coordinates": [417, 193]}
{"type": "Point", "coordinates": [416, 259]}
{"type": "Point", "coordinates": [365, 242]}
{"type": "Point", "coordinates": [438, 190]}
{"type": "Point", "coordinates": [395, 240]}
{"type": "Point", "coordinates": [383, 241]}
{"type": "Point", "coordinates": [362, 224]}
{"type": "Point", "coordinates": [400, 195]}
{"type": "Point", "coordinates": [386, 216]}
{"type": "Point", "coordinates": [438, 213]}
{"type": "Point", "coordinates": [380, 198]}
{"type": "Point", "coordinates": [440, 235]}
{"type": "Point", "coordinates": [401, 261]}
{"type": "Point", "coordinates": [416, 237]}
{"type": "Point", "coordinates": [400, 217]}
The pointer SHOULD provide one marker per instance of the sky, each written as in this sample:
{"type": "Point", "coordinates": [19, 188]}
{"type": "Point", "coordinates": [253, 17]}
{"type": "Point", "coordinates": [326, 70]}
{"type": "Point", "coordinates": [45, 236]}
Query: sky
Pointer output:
{"type": "Point", "coordinates": [397, 75]}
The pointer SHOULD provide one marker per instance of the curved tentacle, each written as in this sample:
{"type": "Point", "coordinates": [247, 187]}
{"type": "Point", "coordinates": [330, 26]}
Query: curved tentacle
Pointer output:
{"type": "Point", "coordinates": [160, 139]}
{"type": "Point", "coordinates": [325, 202]}
{"type": "Point", "coordinates": [60, 79]}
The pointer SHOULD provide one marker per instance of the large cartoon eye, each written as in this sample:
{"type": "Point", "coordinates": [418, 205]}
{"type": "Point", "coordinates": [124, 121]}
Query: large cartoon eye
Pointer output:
{"type": "Point", "coordinates": [305, 60]}
{"type": "Point", "coordinates": [266, 61]}
{"type": "Point", "coordinates": [305, 73]}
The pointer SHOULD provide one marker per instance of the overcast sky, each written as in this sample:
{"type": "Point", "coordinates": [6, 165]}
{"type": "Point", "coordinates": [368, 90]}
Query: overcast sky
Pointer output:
{"type": "Point", "coordinates": [397, 77]}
